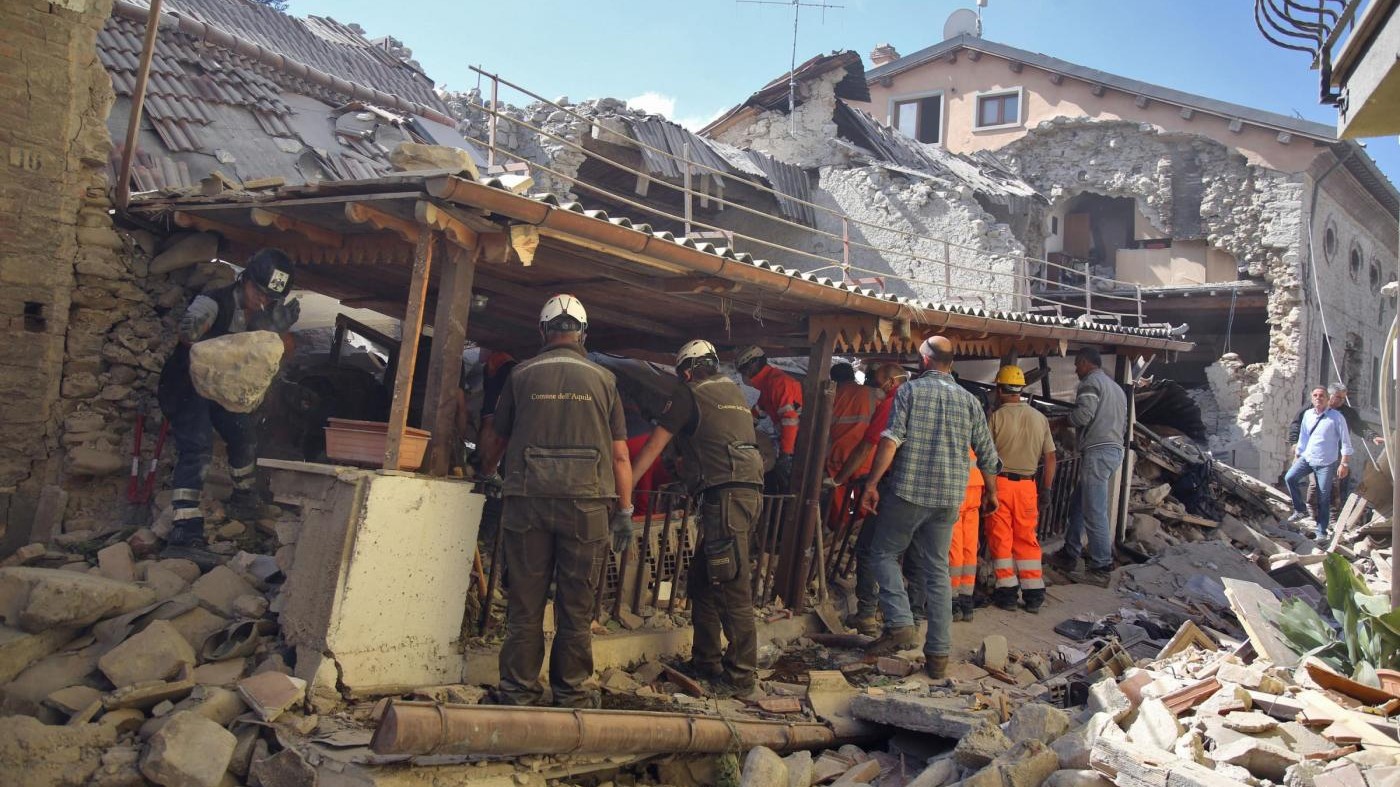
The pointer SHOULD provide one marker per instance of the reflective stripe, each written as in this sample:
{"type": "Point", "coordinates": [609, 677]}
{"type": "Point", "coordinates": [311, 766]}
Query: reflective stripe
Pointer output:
{"type": "Point", "coordinates": [1032, 583]}
{"type": "Point", "coordinates": [851, 419]}
{"type": "Point", "coordinates": [241, 472]}
{"type": "Point", "coordinates": [184, 495]}
{"type": "Point", "coordinates": [789, 407]}
{"type": "Point", "coordinates": [790, 420]}
{"type": "Point", "coordinates": [181, 514]}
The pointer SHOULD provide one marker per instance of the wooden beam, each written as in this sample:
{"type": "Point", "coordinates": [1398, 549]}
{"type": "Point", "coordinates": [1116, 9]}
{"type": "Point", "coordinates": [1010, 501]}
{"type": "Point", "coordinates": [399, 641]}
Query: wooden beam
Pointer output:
{"type": "Point", "coordinates": [362, 213]}
{"type": "Point", "coordinates": [450, 226]}
{"type": "Point", "coordinates": [691, 285]}
{"type": "Point", "coordinates": [316, 234]}
{"type": "Point", "coordinates": [525, 241]}
{"type": "Point", "coordinates": [454, 295]}
{"type": "Point", "coordinates": [1056, 79]}
{"type": "Point", "coordinates": [809, 458]}
{"type": "Point", "coordinates": [229, 232]}
{"type": "Point", "coordinates": [1098, 90]}
{"type": "Point", "coordinates": [408, 348]}
{"type": "Point", "coordinates": [535, 295]}
{"type": "Point", "coordinates": [1016, 66]}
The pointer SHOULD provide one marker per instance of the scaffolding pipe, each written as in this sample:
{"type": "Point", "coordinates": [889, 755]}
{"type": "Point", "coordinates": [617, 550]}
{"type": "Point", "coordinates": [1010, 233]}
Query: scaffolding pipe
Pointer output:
{"type": "Point", "coordinates": [423, 728]}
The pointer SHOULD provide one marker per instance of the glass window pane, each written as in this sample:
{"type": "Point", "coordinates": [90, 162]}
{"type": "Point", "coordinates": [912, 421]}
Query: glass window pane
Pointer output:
{"type": "Point", "coordinates": [906, 117]}
{"type": "Point", "coordinates": [987, 109]}
{"type": "Point", "coordinates": [1011, 113]}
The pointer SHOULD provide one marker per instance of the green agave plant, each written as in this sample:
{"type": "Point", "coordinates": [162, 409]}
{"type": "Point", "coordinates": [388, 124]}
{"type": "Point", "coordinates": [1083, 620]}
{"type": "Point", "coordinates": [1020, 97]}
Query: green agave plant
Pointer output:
{"type": "Point", "coordinates": [1370, 629]}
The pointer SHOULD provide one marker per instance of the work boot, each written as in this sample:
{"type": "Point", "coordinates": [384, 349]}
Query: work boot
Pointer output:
{"type": "Point", "coordinates": [246, 505]}
{"type": "Point", "coordinates": [1062, 562]}
{"type": "Point", "coordinates": [869, 625]}
{"type": "Point", "coordinates": [1034, 599]}
{"type": "Point", "coordinates": [936, 665]}
{"type": "Point", "coordinates": [1005, 598]}
{"type": "Point", "coordinates": [894, 640]}
{"type": "Point", "coordinates": [723, 688]}
{"type": "Point", "coordinates": [969, 607]}
{"type": "Point", "coordinates": [701, 672]}
{"type": "Point", "coordinates": [1092, 575]}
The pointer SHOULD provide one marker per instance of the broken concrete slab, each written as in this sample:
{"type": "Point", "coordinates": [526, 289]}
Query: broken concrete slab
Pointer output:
{"type": "Point", "coordinates": [157, 652]}
{"type": "Point", "coordinates": [220, 589]}
{"type": "Point", "coordinates": [197, 625]}
{"type": "Point", "coordinates": [188, 751]}
{"type": "Point", "coordinates": [117, 562]}
{"type": "Point", "coordinates": [72, 699]}
{"type": "Point", "coordinates": [1262, 758]}
{"type": "Point", "coordinates": [148, 694]}
{"type": "Point", "coordinates": [1074, 747]}
{"type": "Point", "coordinates": [20, 649]}
{"type": "Point", "coordinates": [763, 768]}
{"type": "Point", "coordinates": [799, 769]}
{"type": "Point", "coordinates": [39, 599]}
{"type": "Point", "coordinates": [270, 694]}
{"type": "Point", "coordinates": [950, 717]}
{"type": "Point", "coordinates": [941, 771]}
{"type": "Point", "coordinates": [45, 755]}
{"type": "Point", "coordinates": [994, 653]}
{"type": "Point", "coordinates": [220, 673]}
{"type": "Point", "coordinates": [215, 703]}
{"type": "Point", "coordinates": [58, 671]}
{"type": "Point", "coordinates": [1037, 721]}
{"type": "Point", "coordinates": [827, 767]}
{"type": "Point", "coordinates": [1106, 697]}
{"type": "Point", "coordinates": [286, 768]}
{"type": "Point", "coordinates": [1250, 722]}
{"type": "Point", "coordinates": [1076, 778]}
{"type": "Point", "coordinates": [1027, 764]}
{"type": "Point", "coordinates": [1155, 725]}
{"type": "Point", "coordinates": [981, 745]}
{"type": "Point", "coordinates": [236, 369]}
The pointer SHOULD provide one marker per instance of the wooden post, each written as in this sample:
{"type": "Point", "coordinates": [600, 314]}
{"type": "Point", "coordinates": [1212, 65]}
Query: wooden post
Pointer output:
{"type": "Point", "coordinates": [411, 327]}
{"type": "Point", "coordinates": [454, 294]}
{"type": "Point", "coordinates": [808, 459]}
{"type": "Point", "coordinates": [1044, 363]}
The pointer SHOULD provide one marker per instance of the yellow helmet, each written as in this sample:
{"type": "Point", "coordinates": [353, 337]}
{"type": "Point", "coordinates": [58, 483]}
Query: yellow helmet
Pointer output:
{"type": "Point", "coordinates": [1011, 376]}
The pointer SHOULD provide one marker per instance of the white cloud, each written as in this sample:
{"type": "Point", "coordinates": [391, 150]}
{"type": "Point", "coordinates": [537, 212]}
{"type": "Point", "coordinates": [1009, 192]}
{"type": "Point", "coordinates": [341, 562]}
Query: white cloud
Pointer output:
{"type": "Point", "coordinates": [655, 103]}
{"type": "Point", "coordinates": [697, 122]}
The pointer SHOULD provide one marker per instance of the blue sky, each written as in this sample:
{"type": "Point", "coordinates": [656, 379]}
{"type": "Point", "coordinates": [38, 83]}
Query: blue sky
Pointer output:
{"type": "Point", "coordinates": [691, 59]}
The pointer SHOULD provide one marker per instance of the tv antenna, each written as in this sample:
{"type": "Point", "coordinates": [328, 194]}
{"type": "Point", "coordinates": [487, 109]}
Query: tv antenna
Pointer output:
{"type": "Point", "coordinates": [796, 6]}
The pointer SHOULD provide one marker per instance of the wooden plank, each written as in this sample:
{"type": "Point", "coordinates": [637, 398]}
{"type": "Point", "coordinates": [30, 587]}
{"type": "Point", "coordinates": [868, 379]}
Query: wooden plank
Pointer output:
{"type": "Point", "coordinates": [1319, 706]}
{"type": "Point", "coordinates": [1350, 516]}
{"type": "Point", "coordinates": [1186, 635]}
{"type": "Point", "coordinates": [1249, 601]}
{"type": "Point", "coordinates": [454, 295]}
{"type": "Point", "coordinates": [408, 348]}
{"type": "Point", "coordinates": [1138, 765]}
{"type": "Point", "coordinates": [1185, 518]}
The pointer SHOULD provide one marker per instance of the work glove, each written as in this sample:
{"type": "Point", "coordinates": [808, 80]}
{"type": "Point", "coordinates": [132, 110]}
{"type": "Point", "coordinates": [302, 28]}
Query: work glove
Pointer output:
{"type": "Point", "coordinates": [491, 485]}
{"type": "Point", "coordinates": [783, 467]}
{"type": "Point", "coordinates": [623, 534]}
{"type": "Point", "coordinates": [283, 315]}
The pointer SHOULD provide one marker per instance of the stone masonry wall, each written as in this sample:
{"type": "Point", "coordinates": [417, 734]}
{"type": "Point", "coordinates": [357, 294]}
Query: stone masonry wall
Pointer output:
{"type": "Point", "coordinates": [1254, 213]}
{"type": "Point", "coordinates": [53, 148]}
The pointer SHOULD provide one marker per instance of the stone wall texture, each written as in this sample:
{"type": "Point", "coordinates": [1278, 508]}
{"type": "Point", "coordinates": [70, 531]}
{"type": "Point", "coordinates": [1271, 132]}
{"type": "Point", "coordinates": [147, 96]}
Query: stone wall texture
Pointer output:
{"type": "Point", "coordinates": [57, 238]}
{"type": "Point", "coordinates": [1256, 214]}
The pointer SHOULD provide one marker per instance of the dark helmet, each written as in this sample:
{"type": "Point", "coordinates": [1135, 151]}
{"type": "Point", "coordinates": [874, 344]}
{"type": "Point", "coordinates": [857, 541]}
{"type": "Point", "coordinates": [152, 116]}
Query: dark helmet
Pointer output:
{"type": "Point", "coordinates": [271, 271]}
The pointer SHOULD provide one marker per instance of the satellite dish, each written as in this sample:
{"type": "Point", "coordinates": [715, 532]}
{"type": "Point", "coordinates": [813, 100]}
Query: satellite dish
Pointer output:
{"type": "Point", "coordinates": [961, 22]}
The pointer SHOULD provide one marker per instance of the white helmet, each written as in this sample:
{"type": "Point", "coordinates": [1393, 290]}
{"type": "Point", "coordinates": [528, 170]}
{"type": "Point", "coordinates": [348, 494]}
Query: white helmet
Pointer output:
{"type": "Point", "coordinates": [746, 355]}
{"type": "Point", "coordinates": [563, 305]}
{"type": "Point", "coordinates": [695, 350]}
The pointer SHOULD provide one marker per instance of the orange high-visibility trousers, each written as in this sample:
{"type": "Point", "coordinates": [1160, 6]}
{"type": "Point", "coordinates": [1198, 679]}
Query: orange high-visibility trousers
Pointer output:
{"type": "Point", "coordinates": [1011, 536]}
{"type": "Point", "coordinates": [962, 553]}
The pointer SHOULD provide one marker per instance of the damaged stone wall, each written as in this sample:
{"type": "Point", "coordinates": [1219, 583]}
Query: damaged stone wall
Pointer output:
{"type": "Point", "coordinates": [1251, 212]}
{"type": "Point", "coordinates": [58, 251]}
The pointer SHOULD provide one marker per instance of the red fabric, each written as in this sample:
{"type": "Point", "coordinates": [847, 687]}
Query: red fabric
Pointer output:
{"type": "Point", "coordinates": [879, 420]}
{"type": "Point", "coordinates": [655, 477]}
{"type": "Point", "coordinates": [780, 398]}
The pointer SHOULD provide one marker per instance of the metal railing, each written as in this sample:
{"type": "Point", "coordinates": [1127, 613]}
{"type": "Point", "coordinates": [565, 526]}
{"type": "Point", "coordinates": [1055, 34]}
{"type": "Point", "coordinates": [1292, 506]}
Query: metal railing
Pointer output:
{"type": "Point", "coordinates": [1315, 27]}
{"type": "Point", "coordinates": [1026, 287]}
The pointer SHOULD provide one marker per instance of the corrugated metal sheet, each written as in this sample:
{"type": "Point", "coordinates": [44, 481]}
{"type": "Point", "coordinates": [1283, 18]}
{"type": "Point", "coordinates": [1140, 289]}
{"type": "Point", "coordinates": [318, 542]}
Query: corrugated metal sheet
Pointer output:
{"type": "Point", "coordinates": [790, 181]}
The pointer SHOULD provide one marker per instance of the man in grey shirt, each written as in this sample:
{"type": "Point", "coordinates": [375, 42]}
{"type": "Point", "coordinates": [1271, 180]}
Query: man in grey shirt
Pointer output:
{"type": "Point", "coordinates": [1101, 416]}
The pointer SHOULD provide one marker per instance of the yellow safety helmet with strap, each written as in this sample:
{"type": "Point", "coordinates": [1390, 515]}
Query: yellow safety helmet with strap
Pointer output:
{"type": "Point", "coordinates": [1011, 376]}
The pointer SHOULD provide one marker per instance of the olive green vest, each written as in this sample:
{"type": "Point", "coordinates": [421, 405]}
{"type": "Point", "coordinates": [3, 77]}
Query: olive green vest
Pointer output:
{"type": "Point", "coordinates": [561, 434]}
{"type": "Point", "coordinates": [723, 448]}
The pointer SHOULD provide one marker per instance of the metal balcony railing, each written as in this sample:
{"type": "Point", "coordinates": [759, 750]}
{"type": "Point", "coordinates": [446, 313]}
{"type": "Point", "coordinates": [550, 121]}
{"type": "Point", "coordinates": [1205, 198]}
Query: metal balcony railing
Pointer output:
{"type": "Point", "coordinates": [1315, 27]}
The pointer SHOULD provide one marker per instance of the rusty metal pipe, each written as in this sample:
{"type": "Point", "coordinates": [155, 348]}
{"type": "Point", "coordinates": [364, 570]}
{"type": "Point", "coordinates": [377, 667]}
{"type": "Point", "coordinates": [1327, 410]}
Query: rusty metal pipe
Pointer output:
{"type": "Point", "coordinates": [423, 728]}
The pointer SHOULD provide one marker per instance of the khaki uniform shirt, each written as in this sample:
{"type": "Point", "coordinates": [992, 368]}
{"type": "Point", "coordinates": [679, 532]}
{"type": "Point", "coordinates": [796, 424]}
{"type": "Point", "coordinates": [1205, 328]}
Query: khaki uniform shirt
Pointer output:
{"type": "Point", "coordinates": [561, 414]}
{"type": "Point", "coordinates": [1022, 435]}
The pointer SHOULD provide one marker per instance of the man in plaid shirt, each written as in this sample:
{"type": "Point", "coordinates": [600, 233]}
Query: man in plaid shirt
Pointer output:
{"type": "Point", "coordinates": [932, 425]}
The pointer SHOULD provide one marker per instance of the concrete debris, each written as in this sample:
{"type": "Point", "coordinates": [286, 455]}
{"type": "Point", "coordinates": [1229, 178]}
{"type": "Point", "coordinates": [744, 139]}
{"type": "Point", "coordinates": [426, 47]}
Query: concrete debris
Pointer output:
{"type": "Point", "coordinates": [764, 768]}
{"type": "Point", "coordinates": [117, 562]}
{"type": "Point", "coordinates": [1155, 725]}
{"type": "Point", "coordinates": [155, 654]}
{"type": "Point", "coordinates": [37, 599]}
{"type": "Point", "coordinates": [949, 717]}
{"type": "Point", "coordinates": [271, 693]}
{"type": "Point", "coordinates": [220, 590]}
{"type": "Point", "coordinates": [1037, 721]}
{"type": "Point", "coordinates": [188, 751]}
{"type": "Point", "coordinates": [981, 745]}
{"type": "Point", "coordinates": [993, 654]}
{"type": "Point", "coordinates": [51, 756]}
{"type": "Point", "coordinates": [236, 369]}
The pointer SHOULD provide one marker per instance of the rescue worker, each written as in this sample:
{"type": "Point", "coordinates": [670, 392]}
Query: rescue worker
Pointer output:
{"type": "Point", "coordinates": [1023, 440]}
{"type": "Point", "coordinates": [867, 618]}
{"type": "Point", "coordinates": [780, 398]}
{"type": "Point", "coordinates": [851, 411]}
{"type": "Point", "coordinates": [254, 301]}
{"type": "Point", "coordinates": [566, 467]}
{"type": "Point", "coordinates": [962, 550]}
{"type": "Point", "coordinates": [722, 469]}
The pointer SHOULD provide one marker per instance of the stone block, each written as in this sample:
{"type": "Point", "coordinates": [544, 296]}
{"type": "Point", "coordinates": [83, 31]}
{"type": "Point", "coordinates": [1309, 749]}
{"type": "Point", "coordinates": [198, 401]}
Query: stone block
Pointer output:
{"type": "Point", "coordinates": [117, 562]}
{"type": "Point", "coordinates": [799, 769]}
{"type": "Point", "coordinates": [91, 461]}
{"type": "Point", "coordinates": [196, 626]}
{"type": "Point", "coordinates": [36, 599]}
{"type": "Point", "coordinates": [185, 569]}
{"type": "Point", "coordinates": [1075, 746]}
{"type": "Point", "coordinates": [763, 768]}
{"type": "Point", "coordinates": [938, 773]}
{"type": "Point", "coordinates": [46, 755]}
{"type": "Point", "coordinates": [157, 652]}
{"type": "Point", "coordinates": [1037, 721]}
{"type": "Point", "coordinates": [220, 589]}
{"type": "Point", "coordinates": [994, 653]}
{"type": "Point", "coordinates": [188, 751]}
{"type": "Point", "coordinates": [235, 370]}
{"type": "Point", "coordinates": [861, 773]}
{"type": "Point", "coordinates": [827, 767]}
{"type": "Point", "coordinates": [72, 699]}
{"type": "Point", "coordinates": [1106, 697]}
{"type": "Point", "coordinates": [983, 744]}
{"type": "Point", "coordinates": [286, 768]}
{"type": "Point", "coordinates": [165, 583]}
{"type": "Point", "coordinates": [1077, 778]}
{"type": "Point", "coordinates": [1027, 764]}
{"type": "Point", "coordinates": [270, 694]}
{"type": "Point", "coordinates": [1250, 722]}
{"type": "Point", "coordinates": [1263, 759]}
{"type": "Point", "coordinates": [184, 251]}
{"type": "Point", "coordinates": [409, 156]}
{"type": "Point", "coordinates": [950, 717]}
{"type": "Point", "coordinates": [253, 606]}
{"type": "Point", "coordinates": [216, 704]}
{"type": "Point", "coordinates": [220, 673]}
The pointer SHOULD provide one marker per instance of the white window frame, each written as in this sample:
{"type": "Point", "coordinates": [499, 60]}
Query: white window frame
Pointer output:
{"type": "Point", "coordinates": [1019, 92]}
{"type": "Point", "coordinates": [942, 111]}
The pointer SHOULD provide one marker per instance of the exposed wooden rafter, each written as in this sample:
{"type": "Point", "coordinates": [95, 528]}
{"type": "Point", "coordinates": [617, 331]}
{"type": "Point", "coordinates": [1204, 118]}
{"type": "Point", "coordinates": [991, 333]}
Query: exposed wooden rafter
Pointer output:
{"type": "Point", "coordinates": [363, 213]}
{"type": "Point", "coordinates": [314, 233]}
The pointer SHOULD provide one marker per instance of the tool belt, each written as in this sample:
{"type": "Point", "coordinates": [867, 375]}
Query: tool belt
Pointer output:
{"type": "Point", "coordinates": [1016, 476]}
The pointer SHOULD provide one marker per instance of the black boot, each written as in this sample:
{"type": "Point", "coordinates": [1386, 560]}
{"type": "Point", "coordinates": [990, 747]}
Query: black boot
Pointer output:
{"type": "Point", "coordinates": [1035, 599]}
{"type": "Point", "coordinates": [1005, 598]}
{"type": "Point", "coordinates": [969, 606]}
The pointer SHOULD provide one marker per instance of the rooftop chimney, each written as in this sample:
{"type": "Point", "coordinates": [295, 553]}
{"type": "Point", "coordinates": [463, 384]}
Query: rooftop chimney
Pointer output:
{"type": "Point", "coordinates": [883, 54]}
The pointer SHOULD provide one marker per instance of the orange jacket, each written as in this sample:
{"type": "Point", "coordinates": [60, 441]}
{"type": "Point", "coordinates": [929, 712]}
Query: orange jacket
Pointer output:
{"type": "Point", "coordinates": [850, 416]}
{"type": "Point", "coordinates": [780, 398]}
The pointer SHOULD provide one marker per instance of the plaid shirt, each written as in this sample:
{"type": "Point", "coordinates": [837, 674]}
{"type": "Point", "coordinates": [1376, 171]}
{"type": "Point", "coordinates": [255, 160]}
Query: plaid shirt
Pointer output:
{"type": "Point", "coordinates": [933, 423]}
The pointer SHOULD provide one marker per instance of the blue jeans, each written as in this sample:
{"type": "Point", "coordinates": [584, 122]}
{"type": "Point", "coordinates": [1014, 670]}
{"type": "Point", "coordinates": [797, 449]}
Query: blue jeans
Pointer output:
{"type": "Point", "coordinates": [1088, 510]}
{"type": "Point", "coordinates": [1296, 479]}
{"type": "Point", "coordinates": [868, 587]}
{"type": "Point", "coordinates": [926, 533]}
